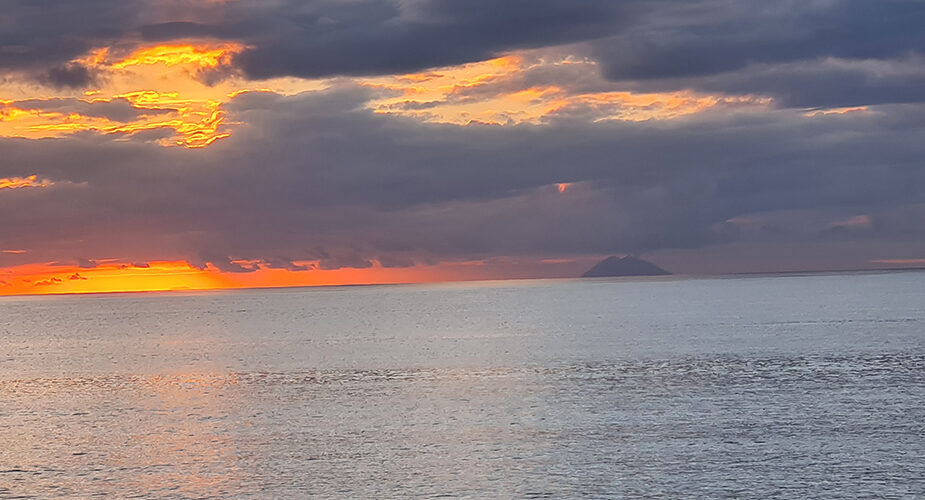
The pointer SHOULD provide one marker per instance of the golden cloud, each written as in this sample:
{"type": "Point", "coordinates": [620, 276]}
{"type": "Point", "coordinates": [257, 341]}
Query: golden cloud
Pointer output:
{"type": "Point", "coordinates": [31, 181]}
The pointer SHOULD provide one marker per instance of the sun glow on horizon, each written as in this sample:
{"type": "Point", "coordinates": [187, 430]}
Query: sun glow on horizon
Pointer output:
{"type": "Point", "coordinates": [110, 276]}
{"type": "Point", "coordinates": [44, 279]}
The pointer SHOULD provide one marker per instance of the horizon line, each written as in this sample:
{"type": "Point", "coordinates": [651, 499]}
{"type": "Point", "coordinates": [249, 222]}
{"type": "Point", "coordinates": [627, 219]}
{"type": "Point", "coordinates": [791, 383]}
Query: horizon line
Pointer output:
{"type": "Point", "coordinates": [667, 277]}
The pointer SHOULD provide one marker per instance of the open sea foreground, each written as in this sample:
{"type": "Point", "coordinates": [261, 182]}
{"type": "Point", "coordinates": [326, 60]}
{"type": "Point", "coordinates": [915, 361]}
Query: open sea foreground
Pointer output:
{"type": "Point", "coordinates": [808, 386]}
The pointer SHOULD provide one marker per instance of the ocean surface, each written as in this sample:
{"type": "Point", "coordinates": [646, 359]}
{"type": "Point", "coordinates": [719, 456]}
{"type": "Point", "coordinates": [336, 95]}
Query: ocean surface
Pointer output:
{"type": "Point", "coordinates": [806, 386]}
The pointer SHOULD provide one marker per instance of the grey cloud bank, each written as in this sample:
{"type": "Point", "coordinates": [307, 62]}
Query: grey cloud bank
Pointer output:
{"type": "Point", "coordinates": [318, 170]}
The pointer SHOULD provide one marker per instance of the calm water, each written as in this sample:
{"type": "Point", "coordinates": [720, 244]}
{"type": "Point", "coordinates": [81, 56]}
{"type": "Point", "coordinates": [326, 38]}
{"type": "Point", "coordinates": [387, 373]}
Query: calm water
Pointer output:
{"type": "Point", "coordinates": [759, 387]}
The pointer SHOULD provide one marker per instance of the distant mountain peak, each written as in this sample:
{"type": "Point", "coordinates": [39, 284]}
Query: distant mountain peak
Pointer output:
{"type": "Point", "coordinates": [624, 266]}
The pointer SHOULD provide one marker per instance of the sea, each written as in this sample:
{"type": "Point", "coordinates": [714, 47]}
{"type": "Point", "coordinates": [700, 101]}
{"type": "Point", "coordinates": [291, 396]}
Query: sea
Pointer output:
{"type": "Point", "coordinates": [790, 386]}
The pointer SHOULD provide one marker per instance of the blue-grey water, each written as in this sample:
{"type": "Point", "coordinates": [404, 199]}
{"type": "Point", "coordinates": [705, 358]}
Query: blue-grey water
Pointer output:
{"type": "Point", "coordinates": [749, 387]}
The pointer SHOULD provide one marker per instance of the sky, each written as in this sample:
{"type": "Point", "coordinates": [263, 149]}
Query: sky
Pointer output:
{"type": "Point", "coordinates": [181, 144]}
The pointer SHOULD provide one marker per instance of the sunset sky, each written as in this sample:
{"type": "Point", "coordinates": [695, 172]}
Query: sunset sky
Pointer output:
{"type": "Point", "coordinates": [181, 144]}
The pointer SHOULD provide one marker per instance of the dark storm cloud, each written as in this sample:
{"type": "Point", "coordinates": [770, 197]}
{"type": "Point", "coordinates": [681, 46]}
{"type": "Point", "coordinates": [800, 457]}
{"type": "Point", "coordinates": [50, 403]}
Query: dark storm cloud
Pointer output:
{"type": "Point", "coordinates": [812, 84]}
{"type": "Point", "coordinates": [374, 37]}
{"type": "Point", "coordinates": [795, 51]}
{"type": "Point", "coordinates": [44, 35]}
{"type": "Point", "coordinates": [684, 38]}
{"type": "Point", "coordinates": [340, 184]}
{"type": "Point", "coordinates": [69, 76]}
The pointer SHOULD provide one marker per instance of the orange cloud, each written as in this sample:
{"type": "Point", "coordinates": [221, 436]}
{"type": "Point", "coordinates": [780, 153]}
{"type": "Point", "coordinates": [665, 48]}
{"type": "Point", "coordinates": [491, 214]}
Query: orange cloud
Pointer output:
{"type": "Point", "coordinates": [165, 83]}
{"type": "Point", "coordinates": [96, 57]}
{"type": "Point", "coordinates": [195, 123]}
{"type": "Point", "coordinates": [498, 92]}
{"type": "Point", "coordinates": [31, 181]}
{"type": "Point", "coordinates": [201, 56]}
{"type": "Point", "coordinates": [162, 81]}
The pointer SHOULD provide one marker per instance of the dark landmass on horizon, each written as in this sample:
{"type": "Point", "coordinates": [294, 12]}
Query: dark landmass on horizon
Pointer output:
{"type": "Point", "coordinates": [614, 266]}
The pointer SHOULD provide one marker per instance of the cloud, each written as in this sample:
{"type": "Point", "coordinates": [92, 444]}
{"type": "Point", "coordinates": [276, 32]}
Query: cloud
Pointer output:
{"type": "Point", "coordinates": [86, 263]}
{"type": "Point", "coordinates": [317, 38]}
{"type": "Point", "coordinates": [285, 263]}
{"type": "Point", "coordinates": [342, 185]}
{"type": "Point", "coordinates": [831, 53]}
{"type": "Point", "coordinates": [48, 282]}
{"type": "Point", "coordinates": [388, 260]}
{"type": "Point", "coordinates": [325, 38]}
{"type": "Point", "coordinates": [818, 53]}
{"type": "Point", "coordinates": [223, 263]}
{"type": "Point", "coordinates": [682, 38]}
{"type": "Point", "coordinates": [118, 109]}
{"type": "Point", "coordinates": [72, 75]}
{"type": "Point", "coordinates": [345, 260]}
{"type": "Point", "coordinates": [50, 34]}
{"type": "Point", "coordinates": [813, 83]}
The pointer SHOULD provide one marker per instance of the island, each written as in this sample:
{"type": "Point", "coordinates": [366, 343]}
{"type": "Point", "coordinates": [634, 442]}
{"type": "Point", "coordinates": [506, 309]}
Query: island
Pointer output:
{"type": "Point", "coordinates": [624, 266]}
